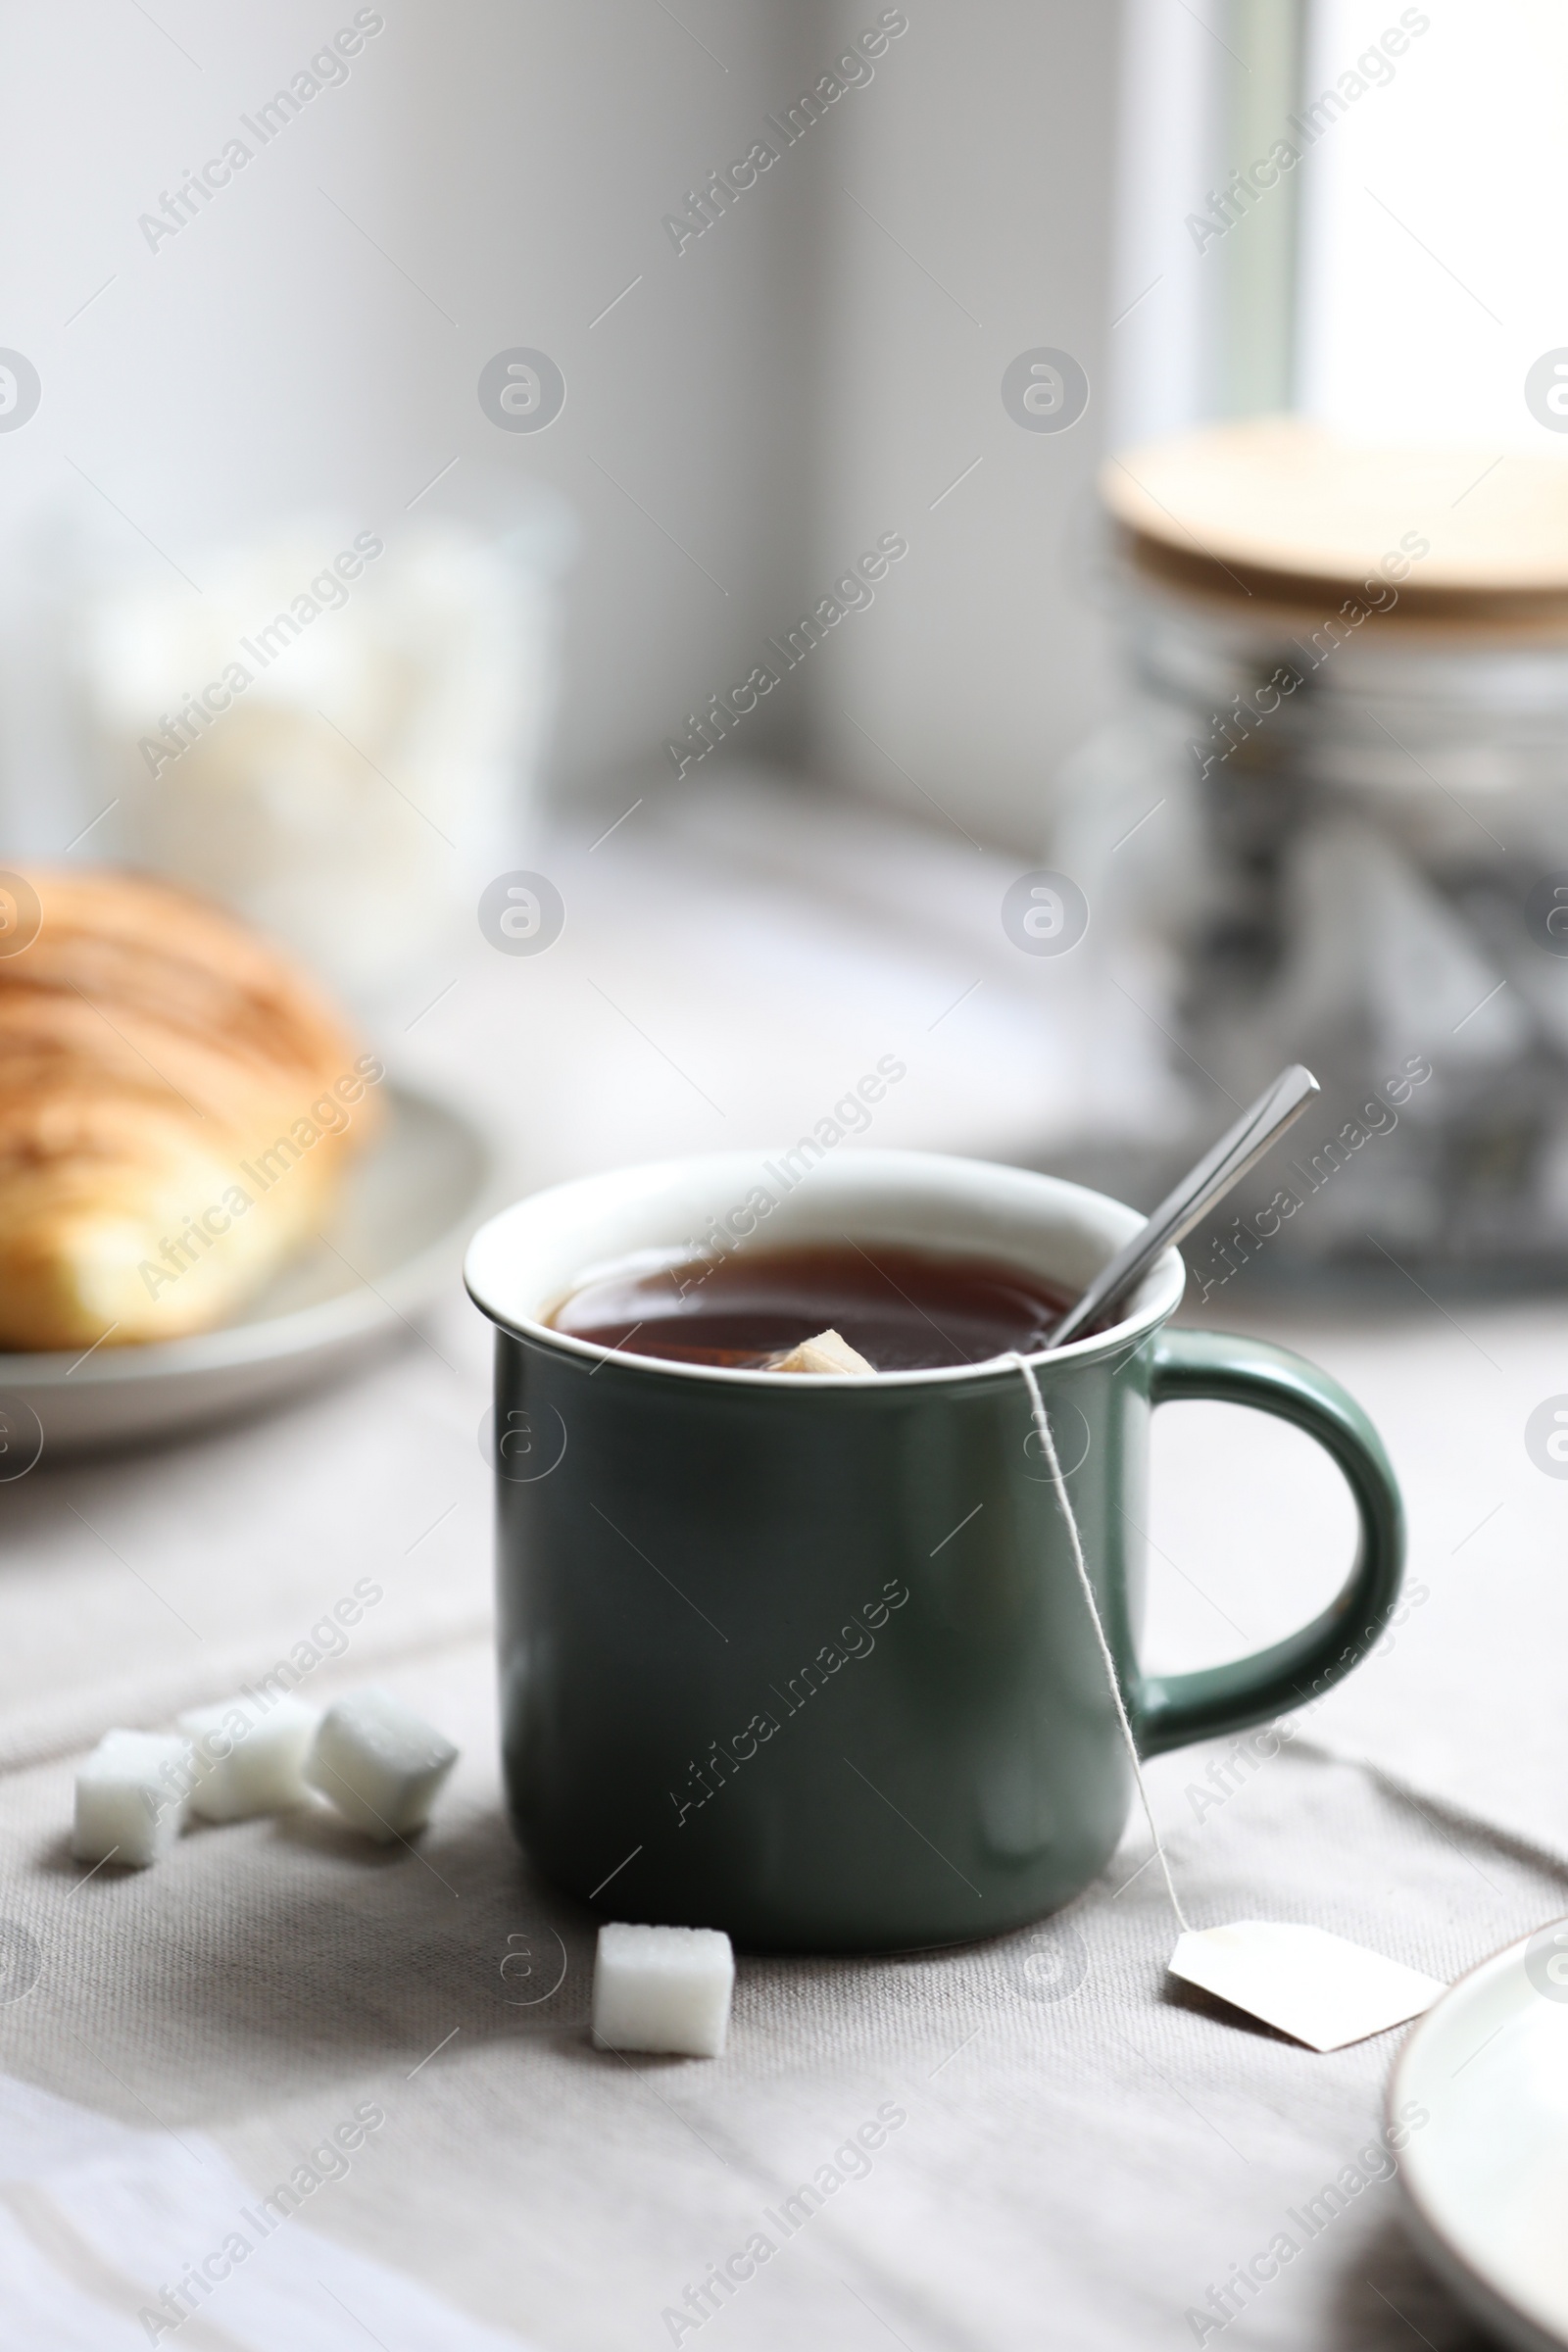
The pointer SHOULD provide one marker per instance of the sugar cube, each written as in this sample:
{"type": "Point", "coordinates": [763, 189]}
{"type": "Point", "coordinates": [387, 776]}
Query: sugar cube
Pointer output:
{"type": "Point", "coordinates": [663, 1989]}
{"type": "Point", "coordinates": [249, 1761]}
{"type": "Point", "coordinates": [378, 1763]}
{"type": "Point", "coordinates": [828, 1351]}
{"type": "Point", "coordinates": [131, 1795]}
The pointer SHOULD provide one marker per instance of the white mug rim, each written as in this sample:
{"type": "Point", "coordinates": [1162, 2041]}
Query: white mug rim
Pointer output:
{"type": "Point", "coordinates": [1100, 1223]}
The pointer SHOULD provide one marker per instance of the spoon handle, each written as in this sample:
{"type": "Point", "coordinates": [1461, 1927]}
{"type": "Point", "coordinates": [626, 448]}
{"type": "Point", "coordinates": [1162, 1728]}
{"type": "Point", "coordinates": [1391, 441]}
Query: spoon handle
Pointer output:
{"type": "Point", "coordinates": [1236, 1151]}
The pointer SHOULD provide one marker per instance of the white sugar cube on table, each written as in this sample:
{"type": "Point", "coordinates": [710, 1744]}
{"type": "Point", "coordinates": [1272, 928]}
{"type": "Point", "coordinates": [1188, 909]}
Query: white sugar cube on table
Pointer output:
{"type": "Point", "coordinates": [663, 1989]}
{"type": "Point", "coordinates": [248, 1762]}
{"type": "Point", "coordinates": [131, 1795]}
{"type": "Point", "coordinates": [378, 1763]}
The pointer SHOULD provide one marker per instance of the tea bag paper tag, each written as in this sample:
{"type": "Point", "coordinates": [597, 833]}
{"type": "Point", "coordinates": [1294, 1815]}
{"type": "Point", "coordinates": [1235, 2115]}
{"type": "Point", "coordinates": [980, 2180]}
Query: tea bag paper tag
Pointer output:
{"type": "Point", "coordinates": [1315, 1987]}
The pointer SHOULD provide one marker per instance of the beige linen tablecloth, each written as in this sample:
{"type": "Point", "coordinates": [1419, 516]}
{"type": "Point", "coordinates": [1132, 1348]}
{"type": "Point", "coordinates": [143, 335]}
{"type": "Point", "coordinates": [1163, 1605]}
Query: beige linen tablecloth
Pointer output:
{"type": "Point", "coordinates": [1083, 2151]}
{"type": "Point", "coordinates": [1087, 2150]}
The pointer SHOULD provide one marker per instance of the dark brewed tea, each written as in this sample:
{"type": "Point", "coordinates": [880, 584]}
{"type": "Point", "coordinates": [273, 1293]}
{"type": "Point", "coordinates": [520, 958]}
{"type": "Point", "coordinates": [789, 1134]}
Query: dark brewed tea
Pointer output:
{"type": "Point", "coordinates": [905, 1310]}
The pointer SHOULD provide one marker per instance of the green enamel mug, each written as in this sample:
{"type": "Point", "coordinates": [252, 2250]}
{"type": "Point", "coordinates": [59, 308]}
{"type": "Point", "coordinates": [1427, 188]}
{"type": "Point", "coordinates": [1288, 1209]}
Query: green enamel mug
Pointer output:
{"type": "Point", "coordinates": [806, 1658]}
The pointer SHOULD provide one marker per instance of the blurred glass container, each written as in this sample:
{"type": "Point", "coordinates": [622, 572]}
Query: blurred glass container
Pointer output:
{"type": "Point", "coordinates": [1332, 826]}
{"type": "Point", "coordinates": [340, 736]}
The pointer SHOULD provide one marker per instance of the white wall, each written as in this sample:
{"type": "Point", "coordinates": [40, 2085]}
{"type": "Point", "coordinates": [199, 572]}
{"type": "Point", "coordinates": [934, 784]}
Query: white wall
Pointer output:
{"type": "Point", "coordinates": [1167, 289]}
{"type": "Point", "coordinates": [514, 164]}
{"type": "Point", "coordinates": [986, 154]}
{"type": "Point", "coordinates": [766, 401]}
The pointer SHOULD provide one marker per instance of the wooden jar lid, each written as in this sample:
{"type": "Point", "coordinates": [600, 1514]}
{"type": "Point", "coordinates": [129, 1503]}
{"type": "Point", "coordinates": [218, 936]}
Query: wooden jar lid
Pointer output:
{"type": "Point", "coordinates": [1275, 511]}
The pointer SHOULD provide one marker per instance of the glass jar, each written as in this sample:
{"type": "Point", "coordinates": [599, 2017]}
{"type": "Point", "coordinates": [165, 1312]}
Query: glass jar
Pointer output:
{"type": "Point", "coordinates": [1331, 825]}
{"type": "Point", "coordinates": [340, 735]}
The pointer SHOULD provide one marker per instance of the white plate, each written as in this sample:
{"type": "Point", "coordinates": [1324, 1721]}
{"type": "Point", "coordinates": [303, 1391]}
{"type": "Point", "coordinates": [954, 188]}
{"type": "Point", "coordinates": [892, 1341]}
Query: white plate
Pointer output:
{"type": "Point", "coordinates": [395, 1242]}
{"type": "Point", "coordinates": [1486, 2177]}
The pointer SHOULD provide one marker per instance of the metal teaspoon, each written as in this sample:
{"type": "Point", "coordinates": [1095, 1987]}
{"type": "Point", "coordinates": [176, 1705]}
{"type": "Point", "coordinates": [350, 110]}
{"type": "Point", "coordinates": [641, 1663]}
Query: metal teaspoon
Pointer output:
{"type": "Point", "coordinates": [1238, 1150]}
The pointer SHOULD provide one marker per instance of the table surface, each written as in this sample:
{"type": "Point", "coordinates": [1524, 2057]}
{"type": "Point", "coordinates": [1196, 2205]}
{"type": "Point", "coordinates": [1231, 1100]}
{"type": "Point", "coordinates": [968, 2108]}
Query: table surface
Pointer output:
{"type": "Point", "coordinates": [1086, 2149]}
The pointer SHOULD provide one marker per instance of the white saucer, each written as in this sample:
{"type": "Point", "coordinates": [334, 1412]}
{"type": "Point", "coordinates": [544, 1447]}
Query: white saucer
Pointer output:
{"type": "Point", "coordinates": [395, 1243]}
{"type": "Point", "coordinates": [1486, 2177]}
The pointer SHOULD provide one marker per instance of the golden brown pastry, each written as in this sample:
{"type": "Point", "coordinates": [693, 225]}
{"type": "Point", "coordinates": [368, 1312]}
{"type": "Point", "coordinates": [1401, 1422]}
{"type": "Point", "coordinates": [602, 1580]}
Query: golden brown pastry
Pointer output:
{"type": "Point", "coordinates": [177, 1106]}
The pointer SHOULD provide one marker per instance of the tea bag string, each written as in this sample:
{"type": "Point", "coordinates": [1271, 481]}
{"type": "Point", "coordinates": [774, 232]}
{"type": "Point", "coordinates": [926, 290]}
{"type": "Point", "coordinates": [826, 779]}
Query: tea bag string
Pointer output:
{"type": "Point", "coordinates": [1049, 1446]}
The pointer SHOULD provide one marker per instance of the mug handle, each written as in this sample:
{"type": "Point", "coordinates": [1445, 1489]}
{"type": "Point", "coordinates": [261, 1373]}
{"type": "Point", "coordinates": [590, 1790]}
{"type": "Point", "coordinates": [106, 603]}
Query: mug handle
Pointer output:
{"type": "Point", "coordinates": [1175, 1708]}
